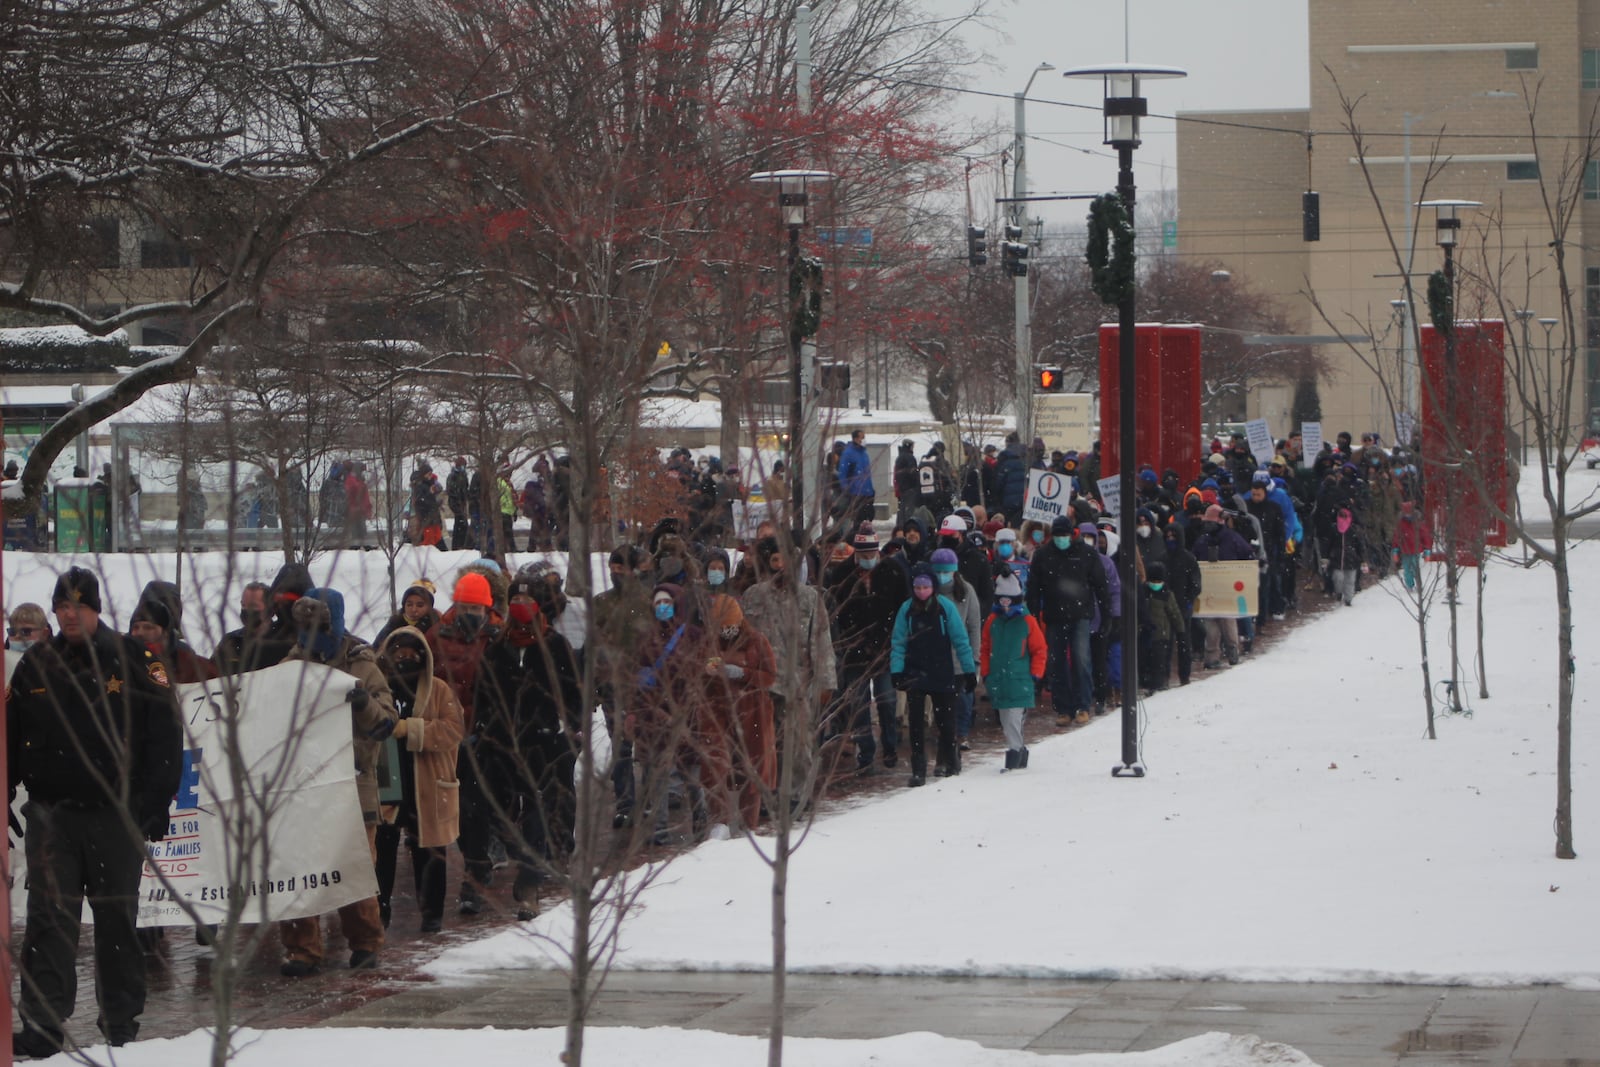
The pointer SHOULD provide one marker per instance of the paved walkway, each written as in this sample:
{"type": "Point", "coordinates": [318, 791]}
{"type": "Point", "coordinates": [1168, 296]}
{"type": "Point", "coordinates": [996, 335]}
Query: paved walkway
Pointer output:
{"type": "Point", "coordinates": [1336, 1025]}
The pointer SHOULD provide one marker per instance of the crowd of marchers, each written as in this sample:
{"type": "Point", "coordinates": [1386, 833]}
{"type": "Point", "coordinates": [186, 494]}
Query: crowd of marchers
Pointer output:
{"type": "Point", "coordinates": [711, 668]}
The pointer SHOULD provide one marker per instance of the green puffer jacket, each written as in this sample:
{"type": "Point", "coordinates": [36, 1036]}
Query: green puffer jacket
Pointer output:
{"type": "Point", "coordinates": [1013, 654]}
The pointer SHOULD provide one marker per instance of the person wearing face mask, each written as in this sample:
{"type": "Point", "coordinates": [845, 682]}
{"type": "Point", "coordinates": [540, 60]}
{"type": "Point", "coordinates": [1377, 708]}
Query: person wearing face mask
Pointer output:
{"type": "Point", "coordinates": [1066, 587]}
{"type": "Point", "coordinates": [1274, 540]}
{"type": "Point", "coordinates": [622, 621]}
{"type": "Point", "coordinates": [1160, 622]}
{"type": "Point", "coordinates": [429, 732]}
{"type": "Point", "coordinates": [1105, 642]}
{"type": "Point", "coordinates": [320, 637]}
{"type": "Point", "coordinates": [26, 627]}
{"type": "Point", "coordinates": [1012, 659]}
{"type": "Point", "coordinates": [865, 593]}
{"type": "Point", "coordinates": [717, 566]}
{"type": "Point", "coordinates": [525, 753]}
{"type": "Point", "coordinates": [1010, 556]}
{"type": "Point", "coordinates": [459, 644]}
{"type": "Point", "coordinates": [1147, 536]}
{"type": "Point", "coordinates": [949, 583]}
{"type": "Point", "coordinates": [734, 729]}
{"type": "Point", "coordinates": [972, 559]}
{"type": "Point", "coordinates": [928, 649]}
{"type": "Point", "coordinates": [670, 684]}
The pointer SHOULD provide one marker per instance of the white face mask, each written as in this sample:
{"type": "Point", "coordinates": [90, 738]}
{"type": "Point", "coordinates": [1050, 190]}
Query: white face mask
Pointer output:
{"type": "Point", "coordinates": [1144, 531]}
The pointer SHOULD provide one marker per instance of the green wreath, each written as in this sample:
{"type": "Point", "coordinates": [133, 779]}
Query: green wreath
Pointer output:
{"type": "Point", "coordinates": [805, 295]}
{"type": "Point", "coordinates": [1110, 253]}
{"type": "Point", "coordinates": [1441, 302]}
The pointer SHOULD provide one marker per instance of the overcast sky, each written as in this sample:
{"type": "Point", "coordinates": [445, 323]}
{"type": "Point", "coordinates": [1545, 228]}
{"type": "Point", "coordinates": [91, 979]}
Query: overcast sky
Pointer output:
{"type": "Point", "coordinates": [1239, 54]}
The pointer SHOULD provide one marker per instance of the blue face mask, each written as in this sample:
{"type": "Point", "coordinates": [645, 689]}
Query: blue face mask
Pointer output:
{"type": "Point", "coordinates": [1005, 550]}
{"type": "Point", "coordinates": [716, 578]}
{"type": "Point", "coordinates": [1038, 537]}
{"type": "Point", "coordinates": [946, 577]}
{"type": "Point", "coordinates": [866, 563]}
{"type": "Point", "coordinates": [1062, 543]}
{"type": "Point", "coordinates": [1156, 587]}
{"type": "Point", "coordinates": [664, 612]}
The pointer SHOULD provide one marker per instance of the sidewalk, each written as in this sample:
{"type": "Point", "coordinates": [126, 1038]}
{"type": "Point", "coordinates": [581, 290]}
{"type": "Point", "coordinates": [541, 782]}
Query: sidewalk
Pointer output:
{"type": "Point", "coordinates": [1335, 1025]}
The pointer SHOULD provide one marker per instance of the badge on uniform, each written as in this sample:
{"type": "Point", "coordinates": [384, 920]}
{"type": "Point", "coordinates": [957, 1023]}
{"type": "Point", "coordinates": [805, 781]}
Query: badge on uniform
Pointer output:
{"type": "Point", "coordinates": [114, 685]}
{"type": "Point", "coordinates": [158, 674]}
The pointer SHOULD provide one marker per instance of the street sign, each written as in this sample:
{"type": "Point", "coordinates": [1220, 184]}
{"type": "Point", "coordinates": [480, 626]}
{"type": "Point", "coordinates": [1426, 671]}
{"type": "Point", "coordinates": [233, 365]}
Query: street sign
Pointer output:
{"type": "Point", "coordinates": [860, 236]}
{"type": "Point", "coordinates": [1169, 233]}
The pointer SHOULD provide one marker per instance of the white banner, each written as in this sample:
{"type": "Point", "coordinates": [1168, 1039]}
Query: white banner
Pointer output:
{"type": "Point", "coordinates": [1310, 443]}
{"type": "Point", "coordinates": [1064, 420]}
{"type": "Point", "coordinates": [1049, 495]}
{"type": "Point", "coordinates": [1260, 440]}
{"type": "Point", "coordinates": [1111, 495]}
{"type": "Point", "coordinates": [294, 745]}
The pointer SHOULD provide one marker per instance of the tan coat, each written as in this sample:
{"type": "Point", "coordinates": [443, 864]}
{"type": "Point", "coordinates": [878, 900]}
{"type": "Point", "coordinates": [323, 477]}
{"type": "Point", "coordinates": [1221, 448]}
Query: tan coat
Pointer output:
{"type": "Point", "coordinates": [431, 735]}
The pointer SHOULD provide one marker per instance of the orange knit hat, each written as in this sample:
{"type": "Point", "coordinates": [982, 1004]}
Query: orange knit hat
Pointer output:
{"type": "Point", "coordinates": [473, 588]}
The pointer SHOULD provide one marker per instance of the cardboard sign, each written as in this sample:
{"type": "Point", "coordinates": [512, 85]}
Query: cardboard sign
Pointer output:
{"type": "Point", "coordinates": [1065, 421]}
{"type": "Point", "coordinates": [294, 734]}
{"type": "Point", "coordinates": [1310, 443]}
{"type": "Point", "coordinates": [1260, 440]}
{"type": "Point", "coordinates": [1049, 495]}
{"type": "Point", "coordinates": [1228, 590]}
{"type": "Point", "coordinates": [1111, 494]}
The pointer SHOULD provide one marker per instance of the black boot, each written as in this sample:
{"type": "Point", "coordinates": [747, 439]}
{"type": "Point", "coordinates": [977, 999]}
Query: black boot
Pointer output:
{"type": "Point", "coordinates": [1022, 760]}
{"type": "Point", "coordinates": [1011, 759]}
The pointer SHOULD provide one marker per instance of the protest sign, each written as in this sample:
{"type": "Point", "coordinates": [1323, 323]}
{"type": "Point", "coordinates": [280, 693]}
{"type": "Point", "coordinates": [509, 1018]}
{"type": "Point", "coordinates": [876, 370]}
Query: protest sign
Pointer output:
{"type": "Point", "coordinates": [1049, 495]}
{"type": "Point", "coordinates": [1228, 589]}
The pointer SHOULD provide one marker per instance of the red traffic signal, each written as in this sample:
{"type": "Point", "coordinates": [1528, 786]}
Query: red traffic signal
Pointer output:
{"type": "Point", "coordinates": [1050, 380]}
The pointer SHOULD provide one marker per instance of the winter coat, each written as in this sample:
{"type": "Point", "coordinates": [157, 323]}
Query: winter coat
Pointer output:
{"type": "Point", "coordinates": [622, 620]}
{"type": "Point", "coordinates": [356, 658]}
{"type": "Point", "coordinates": [529, 710]}
{"type": "Point", "coordinates": [82, 719]}
{"type": "Point", "coordinates": [1222, 543]}
{"type": "Point", "coordinates": [1274, 535]}
{"type": "Point", "coordinates": [972, 561]}
{"type": "Point", "coordinates": [1347, 551]}
{"type": "Point", "coordinates": [855, 471]}
{"type": "Point", "coordinates": [430, 732]}
{"type": "Point", "coordinates": [966, 602]}
{"type": "Point", "coordinates": [1412, 536]}
{"type": "Point", "coordinates": [864, 604]}
{"type": "Point", "coordinates": [1011, 479]}
{"type": "Point", "coordinates": [670, 684]}
{"type": "Point", "coordinates": [358, 500]}
{"type": "Point", "coordinates": [739, 711]}
{"type": "Point", "coordinates": [770, 608]}
{"type": "Point", "coordinates": [1159, 617]}
{"type": "Point", "coordinates": [1066, 585]}
{"type": "Point", "coordinates": [925, 632]}
{"type": "Point", "coordinates": [1183, 575]}
{"type": "Point", "coordinates": [457, 658]}
{"type": "Point", "coordinates": [1113, 590]}
{"type": "Point", "coordinates": [1012, 654]}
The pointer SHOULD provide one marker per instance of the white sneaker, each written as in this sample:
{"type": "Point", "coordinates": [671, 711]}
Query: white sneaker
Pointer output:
{"type": "Point", "coordinates": [1277, 618]}
{"type": "Point", "coordinates": [719, 832]}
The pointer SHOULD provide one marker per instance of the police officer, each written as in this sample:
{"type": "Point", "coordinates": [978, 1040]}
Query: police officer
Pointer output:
{"type": "Point", "coordinates": [93, 732]}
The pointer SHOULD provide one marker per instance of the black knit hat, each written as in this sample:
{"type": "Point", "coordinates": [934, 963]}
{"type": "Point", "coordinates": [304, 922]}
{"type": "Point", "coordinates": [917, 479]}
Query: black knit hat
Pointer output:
{"type": "Point", "coordinates": [77, 586]}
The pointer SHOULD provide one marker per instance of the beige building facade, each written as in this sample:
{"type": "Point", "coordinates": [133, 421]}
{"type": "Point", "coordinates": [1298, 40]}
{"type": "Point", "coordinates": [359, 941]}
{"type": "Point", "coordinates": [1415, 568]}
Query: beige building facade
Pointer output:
{"type": "Point", "coordinates": [1438, 91]}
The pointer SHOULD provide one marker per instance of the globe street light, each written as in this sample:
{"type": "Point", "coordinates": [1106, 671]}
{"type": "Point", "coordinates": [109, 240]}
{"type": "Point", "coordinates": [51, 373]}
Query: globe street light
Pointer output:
{"type": "Point", "coordinates": [1123, 108]}
{"type": "Point", "coordinates": [803, 429]}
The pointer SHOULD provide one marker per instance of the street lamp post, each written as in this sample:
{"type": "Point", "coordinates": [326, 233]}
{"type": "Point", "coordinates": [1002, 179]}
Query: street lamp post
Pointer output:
{"type": "Point", "coordinates": [1124, 107]}
{"type": "Point", "coordinates": [1019, 213]}
{"type": "Point", "coordinates": [792, 208]}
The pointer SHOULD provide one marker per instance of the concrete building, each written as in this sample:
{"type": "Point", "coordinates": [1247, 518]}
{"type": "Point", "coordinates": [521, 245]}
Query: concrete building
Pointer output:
{"type": "Point", "coordinates": [1437, 93]}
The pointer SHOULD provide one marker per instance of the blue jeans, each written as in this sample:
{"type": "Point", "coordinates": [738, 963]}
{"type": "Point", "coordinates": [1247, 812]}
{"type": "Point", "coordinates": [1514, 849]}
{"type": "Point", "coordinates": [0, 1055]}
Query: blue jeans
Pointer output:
{"type": "Point", "coordinates": [1071, 665]}
{"type": "Point", "coordinates": [859, 692]}
{"type": "Point", "coordinates": [965, 703]}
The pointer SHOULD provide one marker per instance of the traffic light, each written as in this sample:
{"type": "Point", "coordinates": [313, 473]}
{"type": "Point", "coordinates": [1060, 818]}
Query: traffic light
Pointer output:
{"type": "Point", "coordinates": [1014, 253]}
{"type": "Point", "coordinates": [1049, 379]}
{"type": "Point", "coordinates": [977, 247]}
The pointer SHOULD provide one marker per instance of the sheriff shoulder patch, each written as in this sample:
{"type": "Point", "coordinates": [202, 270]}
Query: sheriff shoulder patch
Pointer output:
{"type": "Point", "coordinates": [158, 674]}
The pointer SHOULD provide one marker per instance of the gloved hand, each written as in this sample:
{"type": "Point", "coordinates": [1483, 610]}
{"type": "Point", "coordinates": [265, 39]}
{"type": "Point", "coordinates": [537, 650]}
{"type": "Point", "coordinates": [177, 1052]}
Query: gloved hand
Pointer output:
{"type": "Point", "coordinates": [381, 731]}
{"type": "Point", "coordinates": [733, 671]}
{"type": "Point", "coordinates": [154, 826]}
{"type": "Point", "coordinates": [358, 699]}
{"type": "Point", "coordinates": [901, 682]}
{"type": "Point", "coordinates": [1289, 549]}
{"type": "Point", "coordinates": [969, 682]}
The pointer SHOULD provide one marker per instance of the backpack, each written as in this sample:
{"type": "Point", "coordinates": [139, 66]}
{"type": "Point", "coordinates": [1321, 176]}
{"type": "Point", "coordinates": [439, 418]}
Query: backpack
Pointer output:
{"type": "Point", "coordinates": [931, 485]}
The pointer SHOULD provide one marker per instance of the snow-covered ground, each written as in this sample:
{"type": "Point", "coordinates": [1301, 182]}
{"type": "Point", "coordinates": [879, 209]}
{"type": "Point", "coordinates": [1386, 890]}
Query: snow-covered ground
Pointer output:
{"type": "Point", "coordinates": [661, 1047]}
{"type": "Point", "coordinates": [1295, 825]}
